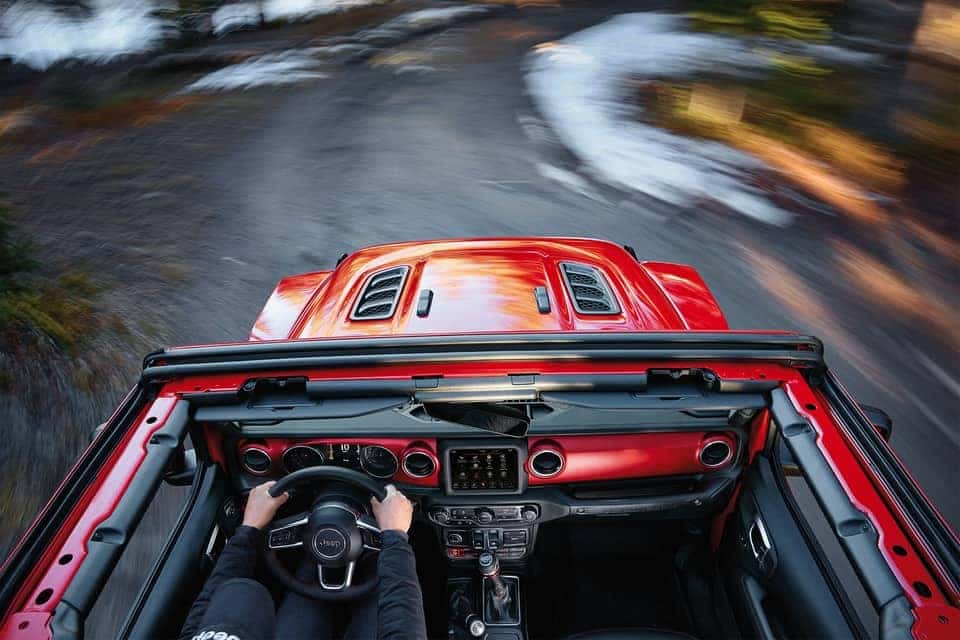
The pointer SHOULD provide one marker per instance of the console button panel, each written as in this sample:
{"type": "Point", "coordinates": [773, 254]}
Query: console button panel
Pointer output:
{"type": "Point", "coordinates": [485, 514]}
{"type": "Point", "coordinates": [467, 530]}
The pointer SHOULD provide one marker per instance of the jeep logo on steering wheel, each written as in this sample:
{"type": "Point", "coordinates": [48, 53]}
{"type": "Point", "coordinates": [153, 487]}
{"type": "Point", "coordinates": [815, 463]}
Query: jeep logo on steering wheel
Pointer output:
{"type": "Point", "coordinates": [329, 543]}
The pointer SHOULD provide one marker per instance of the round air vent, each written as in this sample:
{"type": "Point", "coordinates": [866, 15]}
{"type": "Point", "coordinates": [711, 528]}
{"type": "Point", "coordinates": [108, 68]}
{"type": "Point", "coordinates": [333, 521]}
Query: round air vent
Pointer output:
{"type": "Point", "coordinates": [256, 461]}
{"type": "Point", "coordinates": [378, 461]}
{"type": "Point", "coordinates": [546, 463]}
{"type": "Point", "coordinates": [715, 453]}
{"type": "Point", "coordinates": [419, 464]}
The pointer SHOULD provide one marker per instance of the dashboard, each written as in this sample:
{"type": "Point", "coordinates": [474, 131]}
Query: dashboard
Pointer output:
{"type": "Point", "coordinates": [499, 465]}
{"type": "Point", "coordinates": [493, 493]}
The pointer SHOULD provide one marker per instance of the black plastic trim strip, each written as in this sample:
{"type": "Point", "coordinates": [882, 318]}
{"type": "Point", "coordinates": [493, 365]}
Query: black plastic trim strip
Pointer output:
{"type": "Point", "coordinates": [638, 401]}
{"type": "Point", "coordinates": [787, 349]}
{"type": "Point", "coordinates": [108, 541]}
{"type": "Point", "coordinates": [329, 409]}
{"type": "Point", "coordinates": [856, 533]}
{"type": "Point", "coordinates": [924, 517]}
{"type": "Point", "coordinates": [50, 520]}
{"type": "Point", "coordinates": [330, 432]}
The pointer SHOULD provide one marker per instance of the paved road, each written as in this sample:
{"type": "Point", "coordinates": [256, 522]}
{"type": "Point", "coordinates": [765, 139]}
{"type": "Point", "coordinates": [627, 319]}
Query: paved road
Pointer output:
{"type": "Point", "coordinates": [280, 181]}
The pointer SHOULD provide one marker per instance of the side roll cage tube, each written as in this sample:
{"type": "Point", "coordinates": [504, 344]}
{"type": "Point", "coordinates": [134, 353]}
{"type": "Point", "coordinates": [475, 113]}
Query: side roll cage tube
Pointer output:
{"type": "Point", "coordinates": [856, 533]}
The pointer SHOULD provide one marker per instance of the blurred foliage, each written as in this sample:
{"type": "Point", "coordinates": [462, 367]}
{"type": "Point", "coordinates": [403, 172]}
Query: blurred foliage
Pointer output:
{"type": "Point", "coordinates": [781, 111]}
{"type": "Point", "coordinates": [32, 305]}
{"type": "Point", "coordinates": [14, 255]}
{"type": "Point", "coordinates": [797, 19]}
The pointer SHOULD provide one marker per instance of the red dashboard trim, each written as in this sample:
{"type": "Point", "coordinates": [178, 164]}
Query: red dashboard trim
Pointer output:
{"type": "Point", "coordinates": [619, 457]}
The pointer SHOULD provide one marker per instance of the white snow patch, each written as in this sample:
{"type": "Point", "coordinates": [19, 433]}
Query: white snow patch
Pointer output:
{"type": "Point", "coordinates": [440, 16]}
{"type": "Point", "coordinates": [287, 67]}
{"type": "Point", "coordinates": [38, 37]}
{"type": "Point", "coordinates": [578, 85]}
{"type": "Point", "coordinates": [231, 17]}
{"type": "Point", "coordinates": [415, 69]}
{"type": "Point", "coordinates": [302, 9]}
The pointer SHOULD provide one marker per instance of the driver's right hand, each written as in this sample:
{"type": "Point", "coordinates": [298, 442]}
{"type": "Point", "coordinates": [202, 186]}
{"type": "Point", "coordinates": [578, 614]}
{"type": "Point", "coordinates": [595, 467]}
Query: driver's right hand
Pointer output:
{"type": "Point", "coordinates": [395, 512]}
{"type": "Point", "coordinates": [261, 506]}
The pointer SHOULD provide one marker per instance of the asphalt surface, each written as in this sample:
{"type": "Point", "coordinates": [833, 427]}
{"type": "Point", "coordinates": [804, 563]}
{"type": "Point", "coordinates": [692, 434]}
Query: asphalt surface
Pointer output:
{"type": "Point", "coordinates": [437, 138]}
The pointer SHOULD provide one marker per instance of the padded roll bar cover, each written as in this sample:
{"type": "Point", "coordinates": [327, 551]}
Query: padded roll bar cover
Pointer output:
{"type": "Point", "coordinates": [329, 473]}
{"type": "Point", "coordinates": [857, 535]}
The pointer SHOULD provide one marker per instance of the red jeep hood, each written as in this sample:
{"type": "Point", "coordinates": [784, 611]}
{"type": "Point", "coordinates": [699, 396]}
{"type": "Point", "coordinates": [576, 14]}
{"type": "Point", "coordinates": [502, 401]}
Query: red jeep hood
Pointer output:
{"type": "Point", "coordinates": [487, 285]}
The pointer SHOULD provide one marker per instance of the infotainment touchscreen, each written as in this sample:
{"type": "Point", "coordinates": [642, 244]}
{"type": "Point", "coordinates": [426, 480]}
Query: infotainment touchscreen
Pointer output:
{"type": "Point", "coordinates": [484, 469]}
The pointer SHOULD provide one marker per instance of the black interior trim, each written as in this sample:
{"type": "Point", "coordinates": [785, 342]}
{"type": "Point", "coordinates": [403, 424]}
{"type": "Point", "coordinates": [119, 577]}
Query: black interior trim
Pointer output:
{"type": "Point", "coordinates": [789, 349]}
{"type": "Point", "coordinates": [816, 550]}
{"type": "Point", "coordinates": [900, 485]}
{"type": "Point", "coordinates": [50, 520]}
{"type": "Point", "coordinates": [321, 410]}
{"type": "Point", "coordinates": [856, 532]}
{"type": "Point", "coordinates": [790, 596]}
{"type": "Point", "coordinates": [111, 536]}
{"type": "Point", "coordinates": [313, 429]}
{"type": "Point", "coordinates": [679, 400]}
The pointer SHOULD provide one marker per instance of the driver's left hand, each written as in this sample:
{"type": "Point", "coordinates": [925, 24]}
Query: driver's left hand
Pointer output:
{"type": "Point", "coordinates": [261, 506]}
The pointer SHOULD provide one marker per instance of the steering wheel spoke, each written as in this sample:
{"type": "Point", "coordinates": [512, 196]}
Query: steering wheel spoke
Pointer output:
{"type": "Point", "coordinates": [370, 533]}
{"type": "Point", "coordinates": [287, 533]}
{"type": "Point", "coordinates": [333, 586]}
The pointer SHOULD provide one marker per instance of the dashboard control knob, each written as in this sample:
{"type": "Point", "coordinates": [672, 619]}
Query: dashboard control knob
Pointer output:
{"type": "Point", "coordinates": [484, 516]}
{"type": "Point", "coordinates": [440, 515]}
{"type": "Point", "coordinates": [455, 538]}
{"type": "Point", "coordinates": [529, 514]}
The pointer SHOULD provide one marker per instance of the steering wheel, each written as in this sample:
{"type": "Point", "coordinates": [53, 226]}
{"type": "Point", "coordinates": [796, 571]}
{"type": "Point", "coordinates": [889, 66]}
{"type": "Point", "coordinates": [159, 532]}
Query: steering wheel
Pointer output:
{"type": "Point", "coordinates": [333, 532]}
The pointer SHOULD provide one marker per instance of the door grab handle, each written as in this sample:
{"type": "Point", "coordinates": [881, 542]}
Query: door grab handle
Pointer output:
{"type": "Point", "coordinates": [759, 541]}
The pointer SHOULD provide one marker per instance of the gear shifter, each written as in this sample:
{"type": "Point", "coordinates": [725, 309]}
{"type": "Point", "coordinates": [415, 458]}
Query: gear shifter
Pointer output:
{"type": "Point", "coordinates": [463, 615]}
{"type": "Point", "coordinates": [500, 605]}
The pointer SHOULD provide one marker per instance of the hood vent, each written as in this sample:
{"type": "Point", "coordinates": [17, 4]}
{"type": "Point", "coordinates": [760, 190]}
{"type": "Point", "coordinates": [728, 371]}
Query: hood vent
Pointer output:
{"type": "Point", "coordinates": [379, 296]}
{"type": "Point", "coordinates": [588, 288]}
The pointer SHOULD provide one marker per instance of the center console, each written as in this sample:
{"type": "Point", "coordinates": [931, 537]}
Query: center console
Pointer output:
{"type": "Point", "coordinates": [484, 468]}
{"type": "Point", "coordinates": [468, 530]}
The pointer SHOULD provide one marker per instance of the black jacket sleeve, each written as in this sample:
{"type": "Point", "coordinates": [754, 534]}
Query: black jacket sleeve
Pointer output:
{"type": "Point", "coordinates": [400, 604]}
{"type": "Point", "coordinates": [237, 560]}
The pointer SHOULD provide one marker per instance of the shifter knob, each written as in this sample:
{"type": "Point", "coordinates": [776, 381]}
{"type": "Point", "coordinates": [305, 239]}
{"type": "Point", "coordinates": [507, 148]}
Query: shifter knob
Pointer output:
{"type": "Point", "coordinates": [488, 564]}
